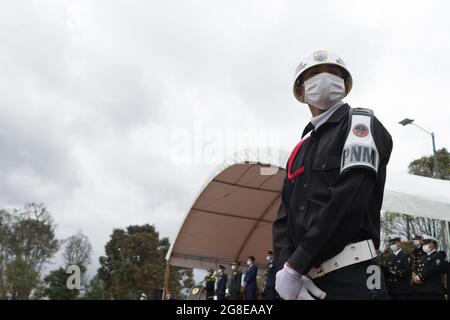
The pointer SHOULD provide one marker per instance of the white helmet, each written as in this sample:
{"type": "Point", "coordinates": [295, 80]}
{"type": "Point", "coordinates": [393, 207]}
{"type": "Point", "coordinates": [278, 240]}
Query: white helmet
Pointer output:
{"type": "Point", "coordinates": [427, 238]}
{"type": "Point", "coordinates": [316, 58]}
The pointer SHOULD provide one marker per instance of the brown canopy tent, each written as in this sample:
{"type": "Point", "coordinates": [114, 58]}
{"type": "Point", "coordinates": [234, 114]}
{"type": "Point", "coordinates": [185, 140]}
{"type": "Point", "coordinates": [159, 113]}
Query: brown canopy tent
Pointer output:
{"type": "Point", "coordinates": [232, 216]}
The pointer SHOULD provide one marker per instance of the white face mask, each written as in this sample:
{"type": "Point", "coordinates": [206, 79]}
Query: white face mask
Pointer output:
{"type": "Point", "coordinates": [249, 262]}
{"type": "Point", "coordinates": [233, 267]}
{"type": "Point", "coordinates": [268, 258]}
{"type": "Point", "coordinates": [426, 248]}
{"type": "Point", "coordinates": [324, 90]}
{"type": "Point", "coordinates": [394, 247]}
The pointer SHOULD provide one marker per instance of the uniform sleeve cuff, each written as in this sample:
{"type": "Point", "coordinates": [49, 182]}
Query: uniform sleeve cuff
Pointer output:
{"type": "Point", "coordinates": [300, 260]}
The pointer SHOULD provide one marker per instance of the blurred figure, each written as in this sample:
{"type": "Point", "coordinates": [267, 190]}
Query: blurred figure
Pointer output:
{"type": "Point", "coordinates": [250, 279]}
{"type": "Point", "coordinates": [235, 281]}
{"type": "Point", "coordinates": [210, 281]}
{"type": "Point", "coordinates": [269, 292]}
{"type": "Point", "coordinates": [428, 276]}
{"type": "Point", "coordinates": [447, 279]}
{"type": "Point", "coordinates": [398, 271]}
{"type": "Point", "coordinates": [168, 297]}
{"type": "Point", "coordinates": [221, 283]}
{"type": "Point", "coordinates": [418, 252]}
{"type": "Point", "coordinates": [416, 255]}
{"type": "Point", "coordinates": [143, 296]}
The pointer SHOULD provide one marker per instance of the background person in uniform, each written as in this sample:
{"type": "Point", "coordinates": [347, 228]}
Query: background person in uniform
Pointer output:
{"type": "Point", "coordinates": [447, 279]}
{"type": "Point", "coordinates": [445, 270]}
{"type": "Point", "coordinates": [234, 287]}
{"type": "Point", "coordinates": [333, 191]}
{"type": "Point", "coordinates": [398, 270]}
{"type": "Point", "coordinates": [250, 279]}
{"type": "Point", "coordinates": [221, 283]}
{"type": "Point", "coordinates": [428, 276]}
{"type": "Point", "coordinates": [416, 255]}
{"type": "Point", "coordinates": [269, 292]}
{"type": "Point", "coordinates": [418, 252]}
{"type": "Point", "coordinates": [210, 281]}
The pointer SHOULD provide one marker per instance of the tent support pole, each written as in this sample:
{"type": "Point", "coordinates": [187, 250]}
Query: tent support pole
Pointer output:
{"type": "Point", "coordinates": [166, 281]}
{"type": "Point", "coordinates": [447, 235]}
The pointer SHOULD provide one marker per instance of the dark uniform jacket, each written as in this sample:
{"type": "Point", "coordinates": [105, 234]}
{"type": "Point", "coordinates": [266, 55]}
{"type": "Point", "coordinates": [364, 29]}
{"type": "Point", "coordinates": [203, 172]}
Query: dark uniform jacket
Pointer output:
{"type": "Point", "coordinates": [271, 274]}
{"type": "Point", "coordinates": [210, 283]}
{"type": "Point", "coordinates": [417, 255]}
{"type": "Point", "coordinates": [431, 270]}
{"type": "Point", "coordinates": [322, 210]}
{"type": "Point", "coordinates": [235, 282]}
{"type": "Point", "coordinates": [250, 277]}
{"type": "Point", "coordinates": [398, 273]}
{"type": "Point", "coordinates": [221, 284]}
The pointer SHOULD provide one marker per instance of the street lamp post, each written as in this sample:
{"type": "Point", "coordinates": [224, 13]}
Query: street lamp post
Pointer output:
{"type": "Point", "coordinates": [407, 121]}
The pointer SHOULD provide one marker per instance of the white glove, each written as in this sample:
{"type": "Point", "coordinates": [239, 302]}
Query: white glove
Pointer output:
{"type": "Point", "coordinates": [288, 283]}
{"type": "Point", "coordinates": [308, 288]}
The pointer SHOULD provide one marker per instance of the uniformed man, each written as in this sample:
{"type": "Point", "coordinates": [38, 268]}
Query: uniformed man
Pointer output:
{"type": "Point", "coordinates": [416, 255]}
{"type": "Point", "coordinates": [428, 276]}
{"type": "Point", "coordinates": [210, 282]}
{"type": "Point", "coordinates": [221, 283]}
{"type": "Point", "coordinates": [397, 270]}
{"type": "Point", "coordinates": [234, 287]}
{"type": "Point", "coordinates": [250, 279]}
{"type": "Point", "coordinates": [328, 224]}
{"type": "Point", "coordinates": [269, 292]}
{"type": "Point", "coordinates": [418, 252]}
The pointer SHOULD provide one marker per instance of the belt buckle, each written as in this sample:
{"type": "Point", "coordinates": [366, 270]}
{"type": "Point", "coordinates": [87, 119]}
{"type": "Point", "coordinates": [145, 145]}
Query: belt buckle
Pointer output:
{"type": "Point", "coordinates": [319, 270]}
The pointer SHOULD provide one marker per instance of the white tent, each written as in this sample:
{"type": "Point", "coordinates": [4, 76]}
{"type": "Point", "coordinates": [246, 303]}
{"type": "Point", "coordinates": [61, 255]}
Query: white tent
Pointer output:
{"type": "Point", "coordinates": [232, 216]}
{"type": "Point", "coordinates": [417, 196]}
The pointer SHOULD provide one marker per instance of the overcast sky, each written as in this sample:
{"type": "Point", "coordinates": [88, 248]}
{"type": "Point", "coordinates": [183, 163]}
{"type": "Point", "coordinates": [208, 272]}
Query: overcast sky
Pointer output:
{"type": "Point", "coordinates": [101, 101]}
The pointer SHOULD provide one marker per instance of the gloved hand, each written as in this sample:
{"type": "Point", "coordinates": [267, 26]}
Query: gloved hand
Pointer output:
{"type": "Point", "coordinates": [288, 283]}
{"type": "Point", "coordinates": [308, 287]}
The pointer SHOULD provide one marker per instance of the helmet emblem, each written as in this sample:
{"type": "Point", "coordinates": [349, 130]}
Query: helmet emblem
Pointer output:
{"type": "Point", "coordinates": [320, 56]}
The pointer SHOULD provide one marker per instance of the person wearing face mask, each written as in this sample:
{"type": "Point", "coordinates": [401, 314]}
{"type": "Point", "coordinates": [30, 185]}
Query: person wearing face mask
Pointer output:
{"type": "Point", "coordinates": [416, 255]}
{"type": "Point", "coordinates": [234, 287]}
{"type": "Point", "coordinates": [269, 292]}
{"type": "Point", "coordinates": [397, 270]}
{"type": "Point", "coordinates": [210, 282]}
{"type": "Point", "coordinates": [250, 279]}
{"type": "Point", "coordinates": [417, 252]}
{"type": "Point", "coordinates": [428, 276]}
{"type": "Point", "coordinates": [221, 283]}
{"type": "Point", "coordinates": [327, 227]}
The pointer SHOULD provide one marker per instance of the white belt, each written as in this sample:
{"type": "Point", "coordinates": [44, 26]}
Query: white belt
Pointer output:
{"type": "Point", "coordinates": [352, 253]}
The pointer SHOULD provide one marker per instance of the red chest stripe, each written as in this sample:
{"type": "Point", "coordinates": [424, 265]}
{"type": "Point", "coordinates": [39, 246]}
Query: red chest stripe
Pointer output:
{"type": "Point", "coordinates": [294, 153]}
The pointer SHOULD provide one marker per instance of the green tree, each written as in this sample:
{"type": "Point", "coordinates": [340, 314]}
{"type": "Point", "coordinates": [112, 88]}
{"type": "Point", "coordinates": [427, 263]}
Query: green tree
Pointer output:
{"type": "Point", "coordinates": [27, 243]}
{"type": "Point", "coordinates": [134, 264]}
{"type": "Point", "coordinates": [77, 251]}
{"type": "Point", "coordinates": [56, 286]}
{"type": "Point", "coordinates": [96, 290]}
{"type": "Point", "coordinates": [424, 166]}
